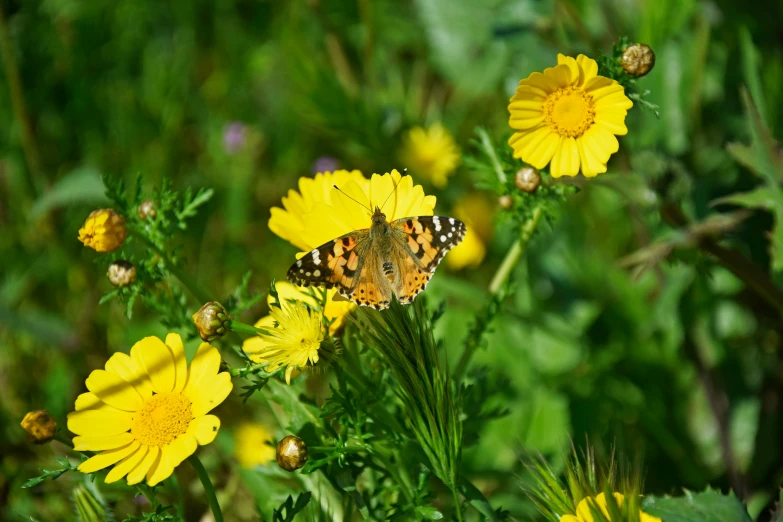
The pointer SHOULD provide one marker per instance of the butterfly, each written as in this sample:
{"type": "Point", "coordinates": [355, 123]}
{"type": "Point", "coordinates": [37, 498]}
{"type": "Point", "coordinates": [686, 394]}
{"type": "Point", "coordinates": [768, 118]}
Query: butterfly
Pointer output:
{"type": "Point", "coordinates": [368, 266]}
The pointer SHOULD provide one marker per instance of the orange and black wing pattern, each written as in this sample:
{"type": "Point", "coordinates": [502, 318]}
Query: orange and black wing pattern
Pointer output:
{"type": "Point", "coordinates": [333, 264]}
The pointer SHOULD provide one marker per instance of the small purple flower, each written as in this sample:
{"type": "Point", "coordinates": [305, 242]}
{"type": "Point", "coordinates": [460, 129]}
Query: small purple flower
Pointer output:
{"type": "Point", "coordinates": [141, 500]}
{"type": "Point", "coordinates": [325, 164]}
{"type": "Point", "coordinates": [234, 137]}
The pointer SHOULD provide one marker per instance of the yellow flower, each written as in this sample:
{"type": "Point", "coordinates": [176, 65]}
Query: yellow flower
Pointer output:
{"type": "Point", "coordinates": [103, 231]}
{"type": "Point", "coordinates": [319, 212]}
{"type": "Point", "coordinates": [253, 445]}
{"type": "Point", "coordinates": [583, 513]}
{"type": "Point", "coordinates": [476, 212]}
{"type": "Point", "coordinates": [568, 115]}
{"type": "Point", "coordinates": [147, 411]}
{"type": "Point", "coordinates": [293, 343]}
{"type": "Point", "coordinates": [431, 153]}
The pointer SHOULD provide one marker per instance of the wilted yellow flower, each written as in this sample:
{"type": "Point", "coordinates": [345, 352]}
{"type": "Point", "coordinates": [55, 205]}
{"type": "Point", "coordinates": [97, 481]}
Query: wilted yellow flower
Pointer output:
{"type": "Point", "coordinates": [40, 426]}
{"type": "Point", "coordinates": [253, 445]}
{"type": "Point", "coordinates": [103, 231]}
{"type": "Point", "coordinates": [430, 152]}
{"type": "Point", "coordinates": [319, 212]}
{"type": "Point", "coordinates": [121, 273]}
{"type": "Point", "coordinates": [476, 212]}
{"type": "Point", "coordinates": [568, 115]}
{"type": "Point", "coordinates": [147, 411]}
{"type": "Point", "coordinates": [583, 513]}
{"type": "Point", "coordinates": [335, 311]}
{"type": "Point", "coordinates": [293, 343]}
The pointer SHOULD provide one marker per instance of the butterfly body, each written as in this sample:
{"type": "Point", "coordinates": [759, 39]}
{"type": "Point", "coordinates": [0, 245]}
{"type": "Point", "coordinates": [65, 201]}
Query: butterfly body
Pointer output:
{"type": "Point", "coordinates": [390, 258]}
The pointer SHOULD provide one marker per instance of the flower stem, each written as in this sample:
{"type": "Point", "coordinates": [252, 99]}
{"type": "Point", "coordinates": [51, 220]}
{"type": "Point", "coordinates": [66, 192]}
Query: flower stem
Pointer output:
{"type": "Point", "coordinates": [209, 489]}
{"type": "Point", "coordinates": [196, 291]}
{"type": "Point", "coordinates": [457, 504]}
{"type": "Point", "coordinates": [239, 327]}
{"type": "Point", "coordinates": [515, 252]}
{"type": "Point", "coordinates": [489, 150]}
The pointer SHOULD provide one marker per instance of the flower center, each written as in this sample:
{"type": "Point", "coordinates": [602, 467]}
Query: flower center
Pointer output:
{"type": "Point", "coordinates": [310, 348]}
{"type": "Point", "coordinates": [569, 112]}
{"type": "Point", "coordinates": [161, 419]}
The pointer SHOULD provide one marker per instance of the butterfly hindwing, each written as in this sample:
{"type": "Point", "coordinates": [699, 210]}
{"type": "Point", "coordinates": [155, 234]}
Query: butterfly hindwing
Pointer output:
{"type": "Point", "coordinates": [336, 263]}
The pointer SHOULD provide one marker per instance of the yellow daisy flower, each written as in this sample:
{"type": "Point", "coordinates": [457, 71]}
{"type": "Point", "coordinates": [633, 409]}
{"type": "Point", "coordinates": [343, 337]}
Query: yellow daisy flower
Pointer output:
{"type": "Point", "coordinates": [568, 115]}
{"type": "Point", "coordinates": [319, 212]}
{"type": "Point", "coordinates": [103, 230]}
{"type": "Point", "coordinates": [476, 212]}
{"type": "Point", "coordinates": [583, 513]}
{"type": "Point", "coordinates": [430, 152]}
{"type": "Point", "coordinates": [293, 343]}
{"type": "Point", "coordinates": [253, 445]}
{"type": "Point", "coordinates": [147, 412]}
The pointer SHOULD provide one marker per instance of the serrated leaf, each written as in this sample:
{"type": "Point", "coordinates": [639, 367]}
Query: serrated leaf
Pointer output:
{"type": "Point", "coordinates": [33, 482]}
{"type": "Point", "coordinates": [63, 461]}
{"type": "Point", "coordinates": [707, 506]}
{"type": "Point", "coordinates": [761, 197]}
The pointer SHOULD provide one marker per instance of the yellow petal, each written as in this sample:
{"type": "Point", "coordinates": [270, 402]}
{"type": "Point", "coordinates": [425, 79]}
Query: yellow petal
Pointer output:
{"type": "Point", "coordinates": [589, 68]}
{"type": "Point", "coordinates": [572, 65]}
{"type": "Point", "coordinates": [90, 443]}
{"type": "Point", "coordinates": [204, 366]}
{"type": "Point", "coordinates": [644, 517]}
{"type": "Point", "coordinates": [162, 468]}
{"type": "Point", "coordinates": [591, 166]}
{"type": "Point", "coordinates": [565, 162]}
{"type": "Point", "coordinates": [174, 342]}
{"type": "Point", "coordinates": [601, 142]}
{"type": "Point", "coordinates": [181, 448]}
{"type": "Point", "coordinates": [151, 354]}
{"type": "Point", "coordinates": [138, 473]}
{"type": "Point", "coordinates": [99, 423]}
{"type": "Point", "coordinates": [529, 93]}
{"type": "Point", "coordinates": [560, 75]}
{"type": "Point", "coordinates": [113, 390]}
{"type": "Point", "coordinates": [210, 394]}
{"type": "Point", "coordinates": [612, 123]}
{"type": "Point", "coordinates": [613, 101]}
{"type": "Point", "coordinates": [127, 464]}
{"type": "Point", "coordinates": [545, 148]}
{"type": "Point", "coordinates": [521, 120]}
{"type": "Point", "coordinates": [541, 82]}
{"type": "Point", "coordinates": [569, 518]}
{"type": "Point", "coordinates": [107, 458]}
{"type": "Point", "coordinates": [204, 429]}
{"type": "Point", "coordinates": [88, 401]}
{"type": "Point", "coordinates": [130, 372]}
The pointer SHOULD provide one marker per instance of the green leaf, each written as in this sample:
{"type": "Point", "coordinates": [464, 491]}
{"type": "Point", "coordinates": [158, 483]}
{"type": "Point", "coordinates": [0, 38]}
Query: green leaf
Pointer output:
{"type": "Point", "coordinates": [80, 186]}
{"type": "Point", "coordinates": [428, 513]}
{"type": "Point", "coordinates": [707, 506]}
{"type": "Point", "coordinates": [33, 482]}
{"type": "Point", "coordinates": [761, 197]}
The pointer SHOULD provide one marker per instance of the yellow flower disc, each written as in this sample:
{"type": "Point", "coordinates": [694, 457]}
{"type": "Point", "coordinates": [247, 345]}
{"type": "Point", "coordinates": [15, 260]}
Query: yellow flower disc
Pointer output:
{"type": "Point", "coordinates": [147, 412]}
{"type": "Point", "coordinates": [568, 116]}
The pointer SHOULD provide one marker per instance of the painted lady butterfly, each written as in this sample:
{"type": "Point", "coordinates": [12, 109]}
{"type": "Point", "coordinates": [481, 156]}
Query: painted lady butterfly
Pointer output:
{"type": "Point", "coordinates": [368, 265]}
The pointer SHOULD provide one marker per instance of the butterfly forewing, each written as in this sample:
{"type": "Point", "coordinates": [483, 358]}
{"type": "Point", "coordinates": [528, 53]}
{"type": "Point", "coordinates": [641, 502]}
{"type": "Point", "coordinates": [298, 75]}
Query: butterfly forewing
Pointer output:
{"type": "Point", "coordinates": [336, 263]}
{"type": "Point", "coordinates": [429, 238]}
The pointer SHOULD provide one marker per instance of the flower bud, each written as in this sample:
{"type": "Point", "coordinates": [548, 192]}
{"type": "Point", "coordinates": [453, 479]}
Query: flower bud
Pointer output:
{"type": "Point", "coordinates": [291, 453]}
{"type": "Point", "coordinates": [40, 426]}
{"type": "Point", "coordinates": [103, 231]}
{"type": "Point", "coordinates": [527, 179]}
{"type": "Point", "coordinates": [505, 202]}
{"type": "Point", "coordinates": [211, 321]}
{"type": "Point", "coordinates": [638, 59]}
{"type": "Point", "coordinates": [147, 210]}
{"type": "Point", "coordinates": [88, 506]}
{"type": "Point", "coordinates": [121, 273]}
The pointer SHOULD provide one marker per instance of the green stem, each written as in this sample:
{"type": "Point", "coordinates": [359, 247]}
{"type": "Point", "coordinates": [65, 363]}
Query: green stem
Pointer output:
{"type": "Point", "coordinates": [457, 504]}
{"type": "Point", "coordinates": [196, 291]}
{"type": "Point", "coordinates": [489, 150]}
{"type": "Point", "coordinates": [515, 252]}
{"type": "Point", "coordinates": [29, 146]}
{"type": "Point", "coordinates": [209, 489]}
{"type": "Point", "coordinates": [239, 327]}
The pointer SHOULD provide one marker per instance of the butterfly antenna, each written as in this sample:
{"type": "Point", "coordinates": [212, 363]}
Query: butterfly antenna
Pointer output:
{"type": "Point", "coordinates": [353, 199]}
{"type": "Point", "coordinates": [394, 189]}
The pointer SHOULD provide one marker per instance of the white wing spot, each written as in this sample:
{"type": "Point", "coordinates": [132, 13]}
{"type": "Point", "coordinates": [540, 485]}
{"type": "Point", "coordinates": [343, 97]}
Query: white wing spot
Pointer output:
{"type": "Point", "coordinates": [308, 274]}
{"type": "Point", "coordinates": [317, 273]}
{"type": "Point", "coordinates": [450, 234]}
{"type": "Point", "coordinates": [437, 224]}
{"type": "Point", "coordinates": [442, 239]}
{"type": "Point", "coordinates": [299, 263]}
{"type": "Point", "coordinates": [316, 256]}
{"type": "Point", "coordinates": [451, 220]}
{"type": "Point", "coordinates": [301, 270]}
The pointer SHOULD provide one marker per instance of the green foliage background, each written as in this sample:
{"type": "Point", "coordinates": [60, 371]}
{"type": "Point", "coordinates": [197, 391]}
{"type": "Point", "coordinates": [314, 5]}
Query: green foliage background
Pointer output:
{"type": "Point", "coordinates": [680, 362]}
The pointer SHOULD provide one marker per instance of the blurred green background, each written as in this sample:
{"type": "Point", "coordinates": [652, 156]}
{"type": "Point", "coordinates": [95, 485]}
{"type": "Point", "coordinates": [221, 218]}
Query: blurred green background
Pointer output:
{"type": "Point", "coordinates": [681, 365]}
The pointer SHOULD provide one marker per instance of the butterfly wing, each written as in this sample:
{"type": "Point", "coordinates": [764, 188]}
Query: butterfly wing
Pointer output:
{"type": "Point", "coordinates": [348, 263]}
{"type": "Point", "coordinates": [422, 243]}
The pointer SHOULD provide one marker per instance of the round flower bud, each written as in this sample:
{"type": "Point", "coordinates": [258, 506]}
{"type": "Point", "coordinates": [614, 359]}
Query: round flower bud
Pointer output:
{"type": "Point", "coordinates": [40, 426]}
{"type": "Point", "coordinates": [527, 179]}
{"type": "Point", "coordinates": [211, 321]}
{"type": "Point", "coordinates": [291, 453]}
{"type": "Point", "coordinates": [103, 231]}
{"type": "Point", "coordinates": [505, 202]}
{"type": "Point", "coordinates": [146, 210]}
{"type": "Point", "coordinates": [638, 59]}
{"type": "Point", "coordinates": [121, 273]}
